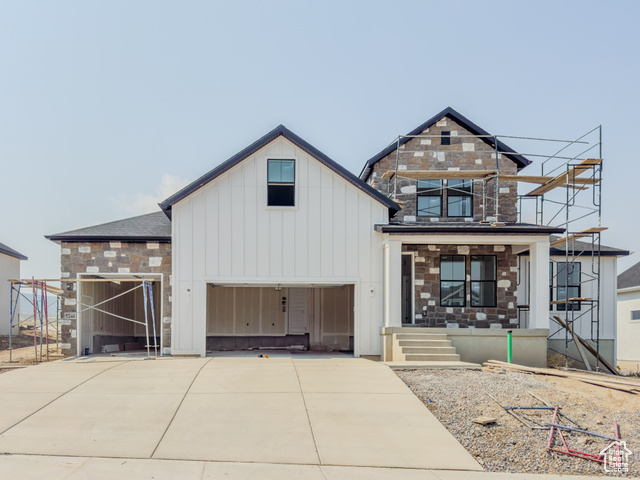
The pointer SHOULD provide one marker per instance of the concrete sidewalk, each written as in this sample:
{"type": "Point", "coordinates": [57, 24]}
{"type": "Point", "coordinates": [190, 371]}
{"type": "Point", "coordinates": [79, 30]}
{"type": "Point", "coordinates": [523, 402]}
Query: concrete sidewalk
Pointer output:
{"type": "Point", "coordinates": [80, 468]}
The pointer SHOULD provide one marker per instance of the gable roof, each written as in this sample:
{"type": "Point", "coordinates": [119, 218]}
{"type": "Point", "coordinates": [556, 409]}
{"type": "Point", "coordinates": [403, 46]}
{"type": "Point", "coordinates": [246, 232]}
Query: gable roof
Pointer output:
{"type": "Point", "coordinates": [152, 227]}
{"type": "Point", "coordinates": [11, 252]}
{"type": "Point", "coordinates": [463, 121]}
{"type": "Point", "coordinates": [280, 130]}
{"type": "Point", "coordinates": [630, 277]}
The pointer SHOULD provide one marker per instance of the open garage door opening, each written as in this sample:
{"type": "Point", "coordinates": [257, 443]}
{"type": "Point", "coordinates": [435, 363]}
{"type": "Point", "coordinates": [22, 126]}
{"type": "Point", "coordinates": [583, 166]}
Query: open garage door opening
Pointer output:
{"type": "Point", "coordinates": [112, 314]}
{"type": "Point", "coordinates": [286, 317]}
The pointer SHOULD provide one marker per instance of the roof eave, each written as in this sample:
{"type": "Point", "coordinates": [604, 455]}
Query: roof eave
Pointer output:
{"type": "Point", "coordinates": [16, 255]}
{"type": "Point", "coordinates": [634, 288]}
{"type": "Point", "coordinates": [469, 229]}
{"type": "Point", "coordinates": [108, 238]}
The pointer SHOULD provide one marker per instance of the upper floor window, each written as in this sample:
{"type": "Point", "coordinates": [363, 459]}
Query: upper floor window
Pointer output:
{"type": "Point", "coordinates": [635, 314]}
{"type": "Point", "coordinates": [429, 198]}
{"type": "Point", "coordinates": [281, 183]}
{"type": "Point", "coordinates": [459, 198]}
{"type": "Point", "coordinates": [445, 138]}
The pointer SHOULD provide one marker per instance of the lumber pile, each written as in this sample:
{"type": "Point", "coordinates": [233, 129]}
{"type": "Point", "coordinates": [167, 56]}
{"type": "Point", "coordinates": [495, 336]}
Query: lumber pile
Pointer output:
{"type": "Point", "coordinates": [627, 385]}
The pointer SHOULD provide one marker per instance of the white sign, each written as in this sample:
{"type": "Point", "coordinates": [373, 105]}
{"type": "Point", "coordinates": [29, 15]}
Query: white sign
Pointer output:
{"type": "Point", "coordinates": [616, 457]}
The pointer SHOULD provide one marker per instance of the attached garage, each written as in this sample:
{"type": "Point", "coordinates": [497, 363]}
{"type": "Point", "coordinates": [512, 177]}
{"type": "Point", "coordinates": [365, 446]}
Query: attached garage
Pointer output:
{"type": "Point", "coordinates": [276, 316]}
{"type": "Point", "coordinates": [112, 312]}
{"type": "Point", "coordinates": [277, 222]}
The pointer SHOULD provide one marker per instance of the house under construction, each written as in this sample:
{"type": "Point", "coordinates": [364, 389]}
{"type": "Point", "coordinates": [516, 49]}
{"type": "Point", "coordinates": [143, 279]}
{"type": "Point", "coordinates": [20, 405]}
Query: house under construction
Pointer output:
{"type": "Point", "coordinates": [439, 248]}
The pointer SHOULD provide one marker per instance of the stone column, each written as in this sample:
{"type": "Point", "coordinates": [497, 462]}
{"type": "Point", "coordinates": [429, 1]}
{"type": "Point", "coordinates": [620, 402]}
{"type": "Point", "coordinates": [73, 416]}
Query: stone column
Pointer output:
{"type": "Point", "coordinates": [393, 283]}
{"type": "Point", "coordinates": [539, 286]}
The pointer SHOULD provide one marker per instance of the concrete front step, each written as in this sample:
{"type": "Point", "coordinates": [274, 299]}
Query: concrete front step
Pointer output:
{"type": "Point", "coordinates": [424, 343]}
{"type": "Point", "coordinates": [420, 336]}
{"type": "Point", "coordinates": [432, 357]}
{"type": "Point", "coordinates": [429, 350]}
{"type": "Point", "coordinates": [432, 365]}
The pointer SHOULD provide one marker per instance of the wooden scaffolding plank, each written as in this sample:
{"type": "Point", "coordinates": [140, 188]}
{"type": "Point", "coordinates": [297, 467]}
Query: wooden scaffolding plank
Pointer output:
{"type": "Point", "coordinates": [388, 174]}
{"type": "Point", "coordinates": [572, 236]}
{"type": "Point", "coordinates": [445, 174]}
{"type": "Point", "coordinates": [576, 299]}
{"type": "Point", "coordinates": [566, 178]}
{"type": "Point", "coordinates": [591, 350]}
{"type": "Point", "coordinates": [526, 178]}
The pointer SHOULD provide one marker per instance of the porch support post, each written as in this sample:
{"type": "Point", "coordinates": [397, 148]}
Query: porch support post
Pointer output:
{"type": "Point", "coordinates": [393, 283]}
{"type": "Point", "coordinates": [539, 288]}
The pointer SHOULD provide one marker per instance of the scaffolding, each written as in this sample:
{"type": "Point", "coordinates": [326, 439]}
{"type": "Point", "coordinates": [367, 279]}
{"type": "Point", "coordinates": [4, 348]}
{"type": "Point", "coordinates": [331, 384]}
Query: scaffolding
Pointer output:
{"type": "Point", "coordinates": [568, 195]}
{"type": "Point", "coordinates": [41, 288]}
{"type": "Point", "coordinates": [39, 300]}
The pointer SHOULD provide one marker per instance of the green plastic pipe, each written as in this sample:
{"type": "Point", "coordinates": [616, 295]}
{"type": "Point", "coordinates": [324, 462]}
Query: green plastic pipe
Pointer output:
{"type": "Point", "coordinates": [509, 345]}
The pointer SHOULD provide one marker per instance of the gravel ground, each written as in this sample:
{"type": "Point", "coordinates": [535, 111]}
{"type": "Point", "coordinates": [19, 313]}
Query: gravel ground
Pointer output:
{"type": "Point", "coordinates": [457, 396]}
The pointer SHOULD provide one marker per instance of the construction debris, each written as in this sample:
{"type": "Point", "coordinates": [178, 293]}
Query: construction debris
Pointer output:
{"type": "Point", "coordinates": [527, 419]}
{"type": "Point", "coordinates": [578, 340]}
{"type": "Point", "coordinates": [555, 427]}
{"type": "Point", "coordinates": [458, 396]}
{"type": "Point", "coordinates": [622, 384]}
{"type": "Point", "coordinates": [484, 420]}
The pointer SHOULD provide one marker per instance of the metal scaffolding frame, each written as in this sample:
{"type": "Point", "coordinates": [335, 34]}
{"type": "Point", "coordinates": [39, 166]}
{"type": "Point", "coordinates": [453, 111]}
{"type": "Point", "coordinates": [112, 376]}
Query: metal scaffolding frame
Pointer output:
{"type": "Point", "coordinates": [579, 175]}
{"type": "Point", "coordinates": [40, 305]}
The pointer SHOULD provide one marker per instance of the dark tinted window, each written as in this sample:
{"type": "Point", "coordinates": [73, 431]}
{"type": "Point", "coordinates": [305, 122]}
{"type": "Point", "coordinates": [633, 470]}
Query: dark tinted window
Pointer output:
{"type": "Point", "coordinates": [281, 177]}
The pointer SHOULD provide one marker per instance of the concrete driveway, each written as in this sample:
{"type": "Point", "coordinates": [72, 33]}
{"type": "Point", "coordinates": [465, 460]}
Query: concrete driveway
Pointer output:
{"type": "Point", "coordinates": [283, 412]}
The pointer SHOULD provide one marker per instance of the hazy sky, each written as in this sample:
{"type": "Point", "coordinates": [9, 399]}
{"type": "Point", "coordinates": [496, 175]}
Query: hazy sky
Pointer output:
{"type": "Point", "coordinates": [107, 107]}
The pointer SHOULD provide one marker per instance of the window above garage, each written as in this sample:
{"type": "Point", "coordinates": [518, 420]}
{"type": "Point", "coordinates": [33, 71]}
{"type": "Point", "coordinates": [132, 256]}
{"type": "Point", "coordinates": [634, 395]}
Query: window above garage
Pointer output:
{"type": "Point", "coordinates": [281, 183]}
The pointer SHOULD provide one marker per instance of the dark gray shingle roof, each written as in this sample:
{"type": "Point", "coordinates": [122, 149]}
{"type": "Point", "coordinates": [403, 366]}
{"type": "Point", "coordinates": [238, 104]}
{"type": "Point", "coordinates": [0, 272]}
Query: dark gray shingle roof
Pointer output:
{"type": "Point", "coordinates": [150, 227]}
{"type": "Point", "coordinates": [11, 252]}
{"type": "Point", "coordinates": [586, 247]}
{"type": "Point", "coordinates": [630, 277]}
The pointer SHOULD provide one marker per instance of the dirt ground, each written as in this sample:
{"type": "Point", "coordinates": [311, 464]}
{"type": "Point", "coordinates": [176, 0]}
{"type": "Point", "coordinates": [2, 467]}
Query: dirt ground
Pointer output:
{"type": "Point", "coordinates": [24, 352]}
{"type": "Point", "coordinates": [456, 397]}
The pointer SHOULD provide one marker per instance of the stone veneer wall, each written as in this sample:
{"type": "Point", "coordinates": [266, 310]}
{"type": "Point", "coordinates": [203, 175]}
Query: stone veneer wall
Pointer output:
{"type": "Point", "coordinates": [113, 257]}
{"type": "Point", "coordinates": [427, 287]}
{"type": "Point", "coordinates": [464, 153]}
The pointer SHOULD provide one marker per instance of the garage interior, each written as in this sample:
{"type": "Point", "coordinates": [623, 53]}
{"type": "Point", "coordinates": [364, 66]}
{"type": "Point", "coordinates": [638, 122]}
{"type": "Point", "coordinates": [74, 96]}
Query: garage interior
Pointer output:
{"type": "Point", "coordinates": [317, 318]}
{"type": "Point", "coordinates": [118, 305]}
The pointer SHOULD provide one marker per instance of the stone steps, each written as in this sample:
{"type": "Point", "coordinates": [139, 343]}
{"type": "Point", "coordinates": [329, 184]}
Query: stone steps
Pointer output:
{"type": "Point", "coordinates": [430, 350]}
{"type": "Point", "coordinates": [423, 347]}
{"type": "Point", "coordinates": [424, 343]}
{"type": "Point", "coordinates": [420, 336]}
{"type": "Point", "coordinates": [432, 357]}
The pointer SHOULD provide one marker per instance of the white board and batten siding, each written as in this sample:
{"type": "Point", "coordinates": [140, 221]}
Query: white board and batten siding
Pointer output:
{"type": "Point", "coordinates": [608, 307]}
{"type": "Point", "coordinates": [225, 233]}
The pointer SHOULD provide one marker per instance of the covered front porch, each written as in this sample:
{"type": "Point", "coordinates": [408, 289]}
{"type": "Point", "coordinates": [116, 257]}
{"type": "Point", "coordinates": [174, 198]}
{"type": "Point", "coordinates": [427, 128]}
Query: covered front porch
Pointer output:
{"type": "Point", "coordinates": [451, 292]}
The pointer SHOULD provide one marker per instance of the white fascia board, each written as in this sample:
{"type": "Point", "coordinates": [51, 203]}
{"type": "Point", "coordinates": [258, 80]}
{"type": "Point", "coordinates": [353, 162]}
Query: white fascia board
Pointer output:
{"type": "Point", "coordinates": [283, 281]}
{"type": "Point", "coordinates": [470, 239]}
{"type": "Point", "coordinates": [629, 289]}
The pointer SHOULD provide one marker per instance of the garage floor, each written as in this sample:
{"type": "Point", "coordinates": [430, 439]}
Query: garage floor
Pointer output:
{"type": "Point", "coordinates": [300, 409]}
